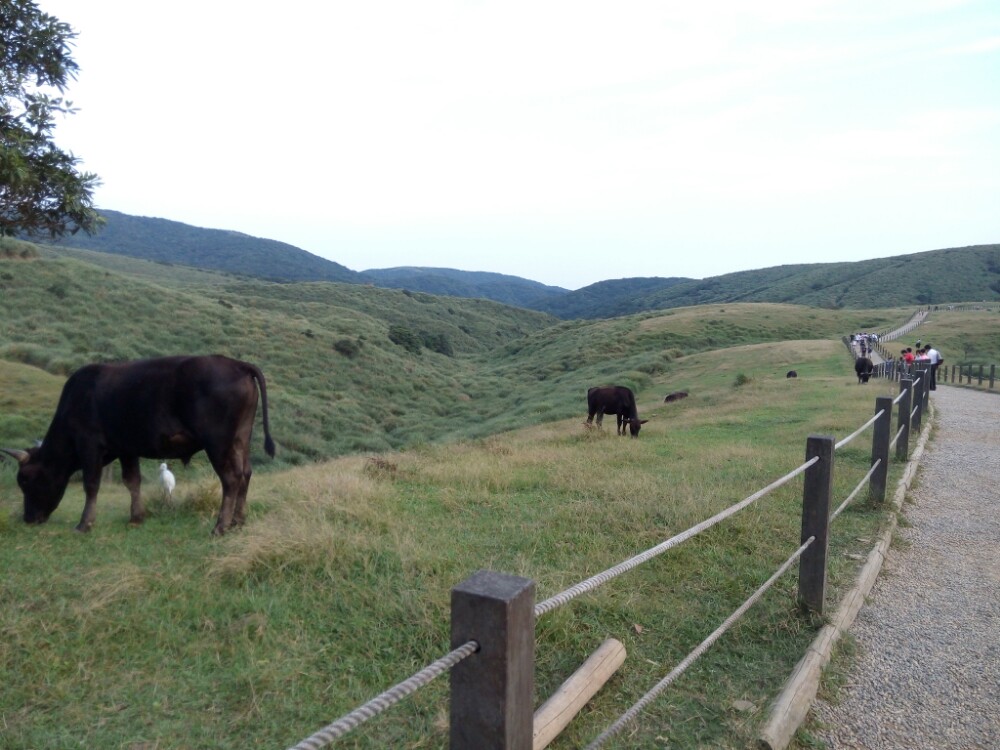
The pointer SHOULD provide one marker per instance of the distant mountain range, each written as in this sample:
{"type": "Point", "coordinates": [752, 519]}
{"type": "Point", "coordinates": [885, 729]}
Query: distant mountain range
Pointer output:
{"type": "Point", "coordinates": [935, 276]}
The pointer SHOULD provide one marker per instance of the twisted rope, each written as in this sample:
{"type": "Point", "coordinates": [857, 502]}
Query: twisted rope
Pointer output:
{"type": "Point", "coordinates": [858, 431]}
{"type": "Point", "coordinates": [601, 578]}
{"type": "Point", "coordinates": [663, 684]}
{"type": "Point", "coordinates": [900, 396]}
{"type": "Point", "coordinates": [898, 436]}
{"type": "Point", "coordinates": [856, 490]}
{"type": "Point", "coordinates": [389, 698]}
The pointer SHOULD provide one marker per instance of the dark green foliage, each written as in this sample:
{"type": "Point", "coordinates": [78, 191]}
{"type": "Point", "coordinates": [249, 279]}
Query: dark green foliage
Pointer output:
{"type": "Point", "coordinates": [405, 338]}
{"type": "Point", "coordinates": [437, 342]}
{"type": "Point", "coordinates": [41, 191]}
{"type": "Point", "coordinates": [348, 347]}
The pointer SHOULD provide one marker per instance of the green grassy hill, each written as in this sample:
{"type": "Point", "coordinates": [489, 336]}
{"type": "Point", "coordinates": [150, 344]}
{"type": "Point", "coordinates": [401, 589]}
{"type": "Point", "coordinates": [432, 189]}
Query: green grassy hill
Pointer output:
{"type": "Point", "coordinates": [174, 242]}
{"type": "Point", "coordinates": [337, 588]}
{"type": "Point", "coordinates": [348, 366]}
{"type": "Point", "coordinates": [930, 278]}
{"type": "Point", "coordinates": [354, 368]}
{"type": "Point", "coordinates": [510, 290]}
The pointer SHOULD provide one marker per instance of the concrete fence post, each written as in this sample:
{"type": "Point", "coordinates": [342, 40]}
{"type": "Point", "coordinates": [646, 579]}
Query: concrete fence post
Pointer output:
{"type": "Point", "coordinates": [881, 438]}
{"type": "Point", "coordinates": [492, 701]}
{"type": "Point", "coordinates": [817, 490]}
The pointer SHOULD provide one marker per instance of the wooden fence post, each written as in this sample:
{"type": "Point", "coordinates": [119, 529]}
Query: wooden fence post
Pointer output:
{"type": "Point", "coordinates": [968, 375]}
{"type": "Point", "coordinates": [918, 399]}
{"type": "Point", "coordinates": [993, 375]}
{"type": "Point", "coordinates": [980, 374]}
{"type": "Point", "coordinates": [903, 420]}
{"type": "Point", "coordinates": [817, 489]}
{"type": "Point", "coordinates": [492, 691]}
{"type": "Point", "coordinates": [925, 381]}
{"type": "Point", "coordinates": [881, 438]}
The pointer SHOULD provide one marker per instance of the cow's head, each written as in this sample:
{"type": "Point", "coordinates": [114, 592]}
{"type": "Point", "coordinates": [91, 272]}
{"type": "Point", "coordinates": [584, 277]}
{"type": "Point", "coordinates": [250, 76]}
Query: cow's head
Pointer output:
{"type": "Point", "coordinates": [41, 488]}
{"type": "Point", "coordinates": [634, 425]}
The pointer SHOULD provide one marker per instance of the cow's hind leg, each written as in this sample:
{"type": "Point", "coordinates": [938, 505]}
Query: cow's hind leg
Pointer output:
{"type": "Point", "coordinates": [234, 473]}
{"type": "Point", "coordinates": [132, 478]}
{"type": "Point", "coordinates": [225, 519]}
{"type": "Point", "coordinates": [240, 511]}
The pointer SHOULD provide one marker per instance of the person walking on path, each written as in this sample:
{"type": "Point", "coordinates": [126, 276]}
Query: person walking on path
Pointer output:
{"type": "Point", "coordinates": [927, 670]}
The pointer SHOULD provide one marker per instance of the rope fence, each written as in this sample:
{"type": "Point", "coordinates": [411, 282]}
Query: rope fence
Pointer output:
{"type": "Point", "coordinates": [482, 693]}
{"type": "Point", "coordinates": [854, 494]}
{"type": "Point", "coordinates": [865, 426]}
{"type": "Point", "coordinates": [899, 434]}
{"type": "Point", "coordinates": [690, 659]}
{"type": "Point", "coordinates": [386, 700]}
{"type": "Point", "coordinates": [592, 583]}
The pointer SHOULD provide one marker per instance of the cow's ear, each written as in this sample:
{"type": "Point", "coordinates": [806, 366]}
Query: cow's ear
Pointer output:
{"type": "Point", "coordinates": [643, 421]}
{"type": "Point", "coordinates": [20, 456]}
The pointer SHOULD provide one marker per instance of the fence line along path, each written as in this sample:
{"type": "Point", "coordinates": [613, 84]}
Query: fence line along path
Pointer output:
{"type": "Point", "coordinates": [927, 670]}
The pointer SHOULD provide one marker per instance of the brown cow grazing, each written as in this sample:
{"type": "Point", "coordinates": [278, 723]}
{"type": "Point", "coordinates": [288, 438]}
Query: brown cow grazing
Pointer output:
{"type": "Point", "coordinates": [617, 400]}
{"type": "Point", "coordinates": [675, 396]}
{"type": "Point", "coordinates": [170, 407]}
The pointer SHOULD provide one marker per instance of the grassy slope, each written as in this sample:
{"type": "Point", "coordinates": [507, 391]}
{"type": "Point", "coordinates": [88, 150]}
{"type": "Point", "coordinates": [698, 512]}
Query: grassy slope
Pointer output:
{"type": "Point", "coordinates": [338, 587]}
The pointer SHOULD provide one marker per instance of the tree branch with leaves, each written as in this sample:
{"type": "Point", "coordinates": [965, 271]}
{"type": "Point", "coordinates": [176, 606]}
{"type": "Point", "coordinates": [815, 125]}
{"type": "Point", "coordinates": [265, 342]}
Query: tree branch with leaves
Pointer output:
{"type": "Point", "coordinates": [41, 190]}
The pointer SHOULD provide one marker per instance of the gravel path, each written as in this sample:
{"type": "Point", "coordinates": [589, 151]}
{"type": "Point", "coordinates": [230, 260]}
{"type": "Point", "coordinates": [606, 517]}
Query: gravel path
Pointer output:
{"type": "Point", "coordinates": [927, 673]}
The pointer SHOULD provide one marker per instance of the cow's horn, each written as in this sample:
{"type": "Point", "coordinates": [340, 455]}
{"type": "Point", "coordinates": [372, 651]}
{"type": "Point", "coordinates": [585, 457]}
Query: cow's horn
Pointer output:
{"type": "Point", "coordinates": [20, 456]}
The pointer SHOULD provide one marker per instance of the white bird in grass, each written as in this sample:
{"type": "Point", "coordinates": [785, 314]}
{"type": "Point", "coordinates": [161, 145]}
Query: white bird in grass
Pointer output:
{"type": "Point", "coordinates": [167, 482]}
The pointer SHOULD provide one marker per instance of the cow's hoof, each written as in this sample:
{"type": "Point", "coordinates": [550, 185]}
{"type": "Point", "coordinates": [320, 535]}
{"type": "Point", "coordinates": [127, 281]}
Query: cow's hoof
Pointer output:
{"type": "Point", "coordinates": [219, 530]}
{"type": "Point", "coordinates": [135, 521]}
{"type": "Point", "coordinates": [83, 528]}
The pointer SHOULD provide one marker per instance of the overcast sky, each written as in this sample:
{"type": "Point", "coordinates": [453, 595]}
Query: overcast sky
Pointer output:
{"type": "Point", "coordinates": [565, 142]}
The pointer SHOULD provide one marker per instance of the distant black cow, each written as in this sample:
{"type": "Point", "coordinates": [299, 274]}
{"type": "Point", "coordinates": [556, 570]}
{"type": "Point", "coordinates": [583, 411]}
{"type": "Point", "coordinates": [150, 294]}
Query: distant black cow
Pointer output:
{"type": "Point", "coordinates": [675, 396]}
{"type": "Point", "coordinates": [171, 407]}
{"type": "Point", "coordinates": [617, 400]}
{"type": "Point", "coordinates": [864, 368]}
{"type": "Point", "coordinates": [791, 374]}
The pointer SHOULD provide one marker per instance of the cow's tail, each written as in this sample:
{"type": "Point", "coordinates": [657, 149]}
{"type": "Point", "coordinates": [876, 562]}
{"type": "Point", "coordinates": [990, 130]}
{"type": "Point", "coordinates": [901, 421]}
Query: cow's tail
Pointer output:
{"type": "Point", "coordinates": [259, 376]}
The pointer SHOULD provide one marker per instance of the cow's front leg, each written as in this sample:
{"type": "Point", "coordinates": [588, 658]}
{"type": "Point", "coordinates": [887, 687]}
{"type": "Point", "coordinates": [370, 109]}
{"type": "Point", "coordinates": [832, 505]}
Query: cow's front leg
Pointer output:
{"type": "Point", "coordinates": [132, 478]}
{"type": "Point", "coordinates": [91, 484]}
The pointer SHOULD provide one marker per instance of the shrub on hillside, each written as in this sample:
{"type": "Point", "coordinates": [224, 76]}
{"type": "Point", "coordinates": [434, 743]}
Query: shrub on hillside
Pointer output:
{"type": "Point", "coordinates": [405, 338]}
{"type": "Point", "coordinates": [348, 347]}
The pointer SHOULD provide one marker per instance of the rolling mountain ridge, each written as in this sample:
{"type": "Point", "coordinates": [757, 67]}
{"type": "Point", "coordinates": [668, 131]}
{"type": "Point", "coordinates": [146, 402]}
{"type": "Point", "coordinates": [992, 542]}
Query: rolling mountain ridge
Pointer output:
{"type": "Point", "coordinates": [925, 278]}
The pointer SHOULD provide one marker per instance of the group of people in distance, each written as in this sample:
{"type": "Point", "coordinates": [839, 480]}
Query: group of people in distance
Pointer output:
{"type": "Point", "coordinates": [925, 353]}
{"type": "Point", "coordinates": [864, 342]}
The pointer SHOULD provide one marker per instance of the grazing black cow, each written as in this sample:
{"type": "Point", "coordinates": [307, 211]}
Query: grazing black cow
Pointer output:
{"type": "Point", "coordinates": [791, 374]}
{"type": "Point", "coordinates": [864, 368]}
{"type": "Point", "coordinates": [617, 400]}
{"type": "Point", "coordinates": [675, 396]}
{"type": "Point", "coordinates": [170, 407]}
